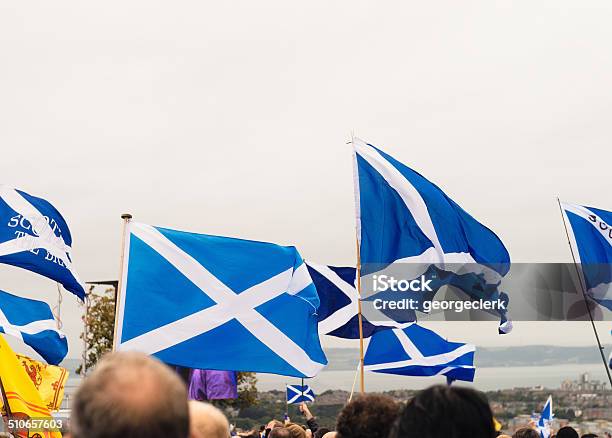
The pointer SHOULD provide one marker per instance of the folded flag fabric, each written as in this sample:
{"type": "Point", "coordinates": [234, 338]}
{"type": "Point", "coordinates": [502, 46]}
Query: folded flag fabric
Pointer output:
{"type": "Point", "coordinates": [590, 236]}
{"type": "Point", "coordinates": [299, 393]}
{"type": "Point", "coordinates": [545, 421]}
{"type": "Point", "coordinates": [32, 322]}
{"type": "Point", "coordinates": [404, 218]}
{"type": "Point", "coordinates": [212, 385]}
{"type": "Point", "coordinates": [337, 314]}
{"type": "Point", "coordinates": [35, 236]}
{"type": "Point", "coordinates": [414, 350]}
{"type": "Point", "coordinates": [184, 295]}
{"type": "Point", "coordinates": [49, 380]}
{"type": "Point", "coordinates": [23, 397]}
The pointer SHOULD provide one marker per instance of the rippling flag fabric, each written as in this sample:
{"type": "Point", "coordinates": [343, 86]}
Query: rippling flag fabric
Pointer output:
{"type": "Point", "coordinates": [35, 236]}
{"type": "Point", "coordinates": [212, 385]}
{"type": "Point", "coordinates": [416, 351]}
{"type": "Point", "coordinates": [299, 393]}
{"type": "Point", "coordinates": [49, 380]}
{"type": "Point", "coordinates": [546, 418]}
{"type": "Point", "coordinates": [218, 303]}
{"type": "Point", "coordinates": [590, 236]}
{"type": "Point", "coordinates": [32, 322]}
{"type": "Point", "coordinates": [404, 218]}
{"type": "Point", "coordinates": [338, 312]}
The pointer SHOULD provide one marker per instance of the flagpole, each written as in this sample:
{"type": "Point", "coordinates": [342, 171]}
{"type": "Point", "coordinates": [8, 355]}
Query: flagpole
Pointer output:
{"type": "Point", "coordinates": [5, 403]}
{"type": "Point", "coordinates": [359, 314]}
{"type": "Point", "coordinates": [584, 295]}
{"type": "Point", "coordinates": [126, 217]}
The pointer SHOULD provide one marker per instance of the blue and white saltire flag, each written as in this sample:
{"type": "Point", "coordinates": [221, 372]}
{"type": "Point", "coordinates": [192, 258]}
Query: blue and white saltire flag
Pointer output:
{"type": "Point", "coordinates": [218, 303]}
{"type": "Point", "coordinates": [414, 350]}
{"type": "Point", "coordinates": [338, 312]}
{"type": "Point", "coordinates": [299, 394]}
{"type": "Point", "coordinates": [32, 322]}
{"type": "Point", "coordinates": [404, 218]}
{"type": "Point", "coordinates": [35, 236]}
{"type": "Point", "coordinates": [546, 418]}
{"type": "Point", "coordinates": [590, 236]}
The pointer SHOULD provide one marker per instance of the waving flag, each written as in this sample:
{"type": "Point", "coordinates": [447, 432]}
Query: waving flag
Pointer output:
{"type": "Point", "coordinates": [32, 322]}
{"type": "Point", "coordinates": [338, 294]}
{"type": "Point", "coordinates": [416, 351]}
{"type": "Point", "coordinates": [299, 393]}
{"type": "Point", "coordinates": [35, 236]}
{"type": "Point", "coordinates": [404, 218]}
{"type": "Point", "coordinates": [218, 303]}
{"type": "Point", "coordinates": [546, 418]}
{"type": "Point", "coordinates": [590, 235]}
{"type": "Point", "coordinates": [49, 380]}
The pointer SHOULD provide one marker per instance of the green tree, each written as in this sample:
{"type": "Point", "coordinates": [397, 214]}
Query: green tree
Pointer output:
{"type": "Point", "coordinates": [98, 336]}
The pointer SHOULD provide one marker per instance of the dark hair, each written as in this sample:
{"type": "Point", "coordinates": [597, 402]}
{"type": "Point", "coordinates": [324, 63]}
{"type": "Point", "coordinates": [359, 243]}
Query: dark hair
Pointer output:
{"type": "Point", "coordinates": [589, 435]}
{"type": "Point", "coordinates": [526, 432]}
{"type": "Point", "coordinates": [130, 395]}
{"type": "Point", "coordinates": [280, 432]}
{"type": "Point", "coordinates": [446, 412]}
{"type": "Point", "coordinates": [369, 416]}
{"type": "Point", "coordinates": [320, 432]}
{"type": "Point", "coordinates": [567, 432]}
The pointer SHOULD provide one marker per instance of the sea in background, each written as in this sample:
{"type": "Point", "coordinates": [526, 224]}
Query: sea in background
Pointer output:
{"type": "Point", "coordinates": [487, 378]}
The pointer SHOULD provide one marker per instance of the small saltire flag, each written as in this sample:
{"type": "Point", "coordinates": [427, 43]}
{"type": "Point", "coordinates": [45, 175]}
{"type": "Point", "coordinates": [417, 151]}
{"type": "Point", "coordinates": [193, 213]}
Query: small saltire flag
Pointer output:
{"type": "Point", "coordinates": [339, 297]}
{"type": "Point", "coordinates": [546, 418]}
{"type": "Point", "coordinates": [403, 217]}
{"type": "Point", "coordinates": [414, 350]}
{"type": "Point", "coordinates": [49, 380]}
{"type": "Point", "coordinates": [299, 394]}
{"type": "Point", "coordinates": [590, 236]}
{"type": "Point", "coordinates": [35, 236]}
{"type": "Point", "coordinates": [32, 322]}
{"type": "Point", "coordinates": [23, 397]}
{"type": "Point", "coordinates": [218, 303]}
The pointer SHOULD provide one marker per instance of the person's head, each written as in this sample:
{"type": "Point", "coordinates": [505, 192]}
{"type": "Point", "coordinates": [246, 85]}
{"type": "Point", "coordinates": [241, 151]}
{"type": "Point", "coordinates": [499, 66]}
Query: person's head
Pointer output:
{"type": "Point", "coordinates": [446, 412]}
{"type": "Point", "coordinates": [130, 395]}
{"type": "Point", "coordinates": [320, 432]}
{"type": "Point", "coordinates": [206, 421]}
{"type": "Point", "coordinates": [272, 424]}
{"type": "Point", "coordinates": [368, 416]}
{"type": "Point", "coordinates": [589, 435]}
{"type": "Point", "coordinates": [526, 432]}
{"type": "Point", "coordinates": [567, 432]}
{"type": "Point", "coordinates": [280, 432]}
{"type": "Point", "coordinates": [295, 431]}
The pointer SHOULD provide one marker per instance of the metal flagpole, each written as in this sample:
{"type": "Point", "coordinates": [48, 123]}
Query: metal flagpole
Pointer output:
{"type": "Point", "coordinates": [126, 219]}
{"type": "Point", "coordinates": [359, 314]}
{"type": "Point", "coordinates": [584, 295]}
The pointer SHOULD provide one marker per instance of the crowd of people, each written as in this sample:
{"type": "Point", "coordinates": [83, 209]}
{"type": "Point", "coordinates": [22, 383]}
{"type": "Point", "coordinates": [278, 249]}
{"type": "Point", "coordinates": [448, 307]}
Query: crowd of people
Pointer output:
{"type": "Point", "coordinates": [132, 395]}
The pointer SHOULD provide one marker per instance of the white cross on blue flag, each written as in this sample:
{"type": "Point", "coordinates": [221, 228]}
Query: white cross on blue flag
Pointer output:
{"type": "Point", "coordinates": [546, 418]}
{"type": "Point", "coordinates": [218, 303]}
{"type": "Point", "coordinates": [35, 236]}
{"type": "Point", "coordinates": [413, 350]}
{"type": "Point", "coordinates": [299, 394]}
{"type": "Point", "coordinates": [404, 218]}
{"type": "Point", "coordinates": [32, 322]}
{"type": "Point", "coordinates": [590, 235]}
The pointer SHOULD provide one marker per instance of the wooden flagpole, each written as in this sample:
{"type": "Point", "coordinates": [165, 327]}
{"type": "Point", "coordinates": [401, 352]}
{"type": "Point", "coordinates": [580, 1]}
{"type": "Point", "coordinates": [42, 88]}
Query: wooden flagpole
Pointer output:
{"type": "Point", "coordinates": [5, 403]}
{"type": "Point", "coordinates": [126, 217]}
{"type": "Point", "coordinates": [584, 295]}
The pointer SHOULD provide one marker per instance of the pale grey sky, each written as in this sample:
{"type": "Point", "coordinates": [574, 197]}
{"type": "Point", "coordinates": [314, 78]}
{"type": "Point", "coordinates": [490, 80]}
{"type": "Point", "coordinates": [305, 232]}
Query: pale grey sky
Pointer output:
{"type": "Point", "coordinates": [231, 118]}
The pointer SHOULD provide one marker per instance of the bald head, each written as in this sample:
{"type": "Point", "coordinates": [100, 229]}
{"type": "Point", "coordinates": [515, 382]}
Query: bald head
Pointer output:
{"type": "Point", "coordinates": [206, 421]}
{"type": "Point", "coordinates": [130, 395]}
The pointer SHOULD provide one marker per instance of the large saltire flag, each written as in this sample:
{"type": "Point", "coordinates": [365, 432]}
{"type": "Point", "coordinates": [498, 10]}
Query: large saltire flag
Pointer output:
{"type": "Point", "coordinates": [404, 218]}
{"type": "Point", "coordinates": [590, 236]}
{"type": "Point", "coordinates": [23, 397]}
{"type": "Point", "coordinates": [35, 236]}
{"type": "Point", "coordinates": [32, 322]}
{"type": "Point", "coordinates": [218, 303]}
{"type": "Point", "coordinates": [338, 312]}
{"type": "Point", "coordinates": [413, 350]}
{"type": "Point", "coordinates": [546, 417]}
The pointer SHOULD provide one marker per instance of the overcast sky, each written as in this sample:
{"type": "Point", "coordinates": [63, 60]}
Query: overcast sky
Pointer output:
{"type": "Point", "coordinates": [231, 118]}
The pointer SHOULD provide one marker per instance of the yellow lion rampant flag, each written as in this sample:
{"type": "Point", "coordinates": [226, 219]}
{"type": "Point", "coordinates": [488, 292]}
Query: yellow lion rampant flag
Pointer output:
{"type": "Point", "coordinates": [50, 380]}
{"type": "Point", "coordinates": [29, 414]}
